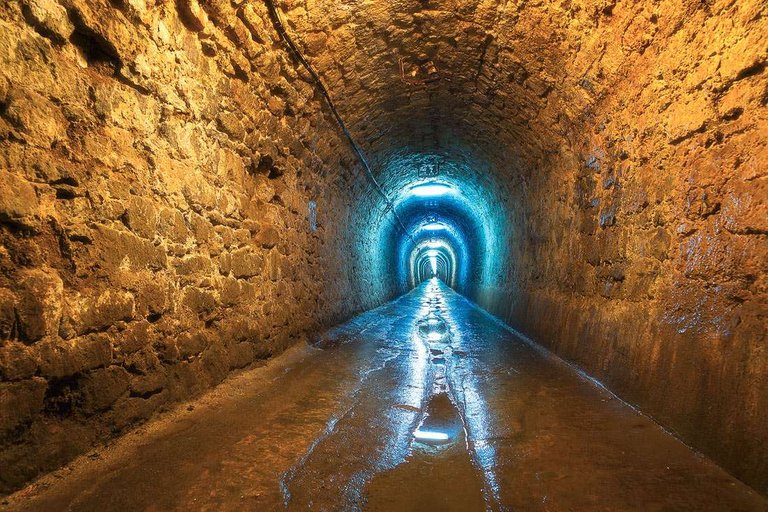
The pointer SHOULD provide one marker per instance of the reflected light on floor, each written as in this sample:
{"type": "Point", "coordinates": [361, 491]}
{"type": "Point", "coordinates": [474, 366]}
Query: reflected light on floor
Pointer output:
{"type": "Point", "coordinates": [430, 435]}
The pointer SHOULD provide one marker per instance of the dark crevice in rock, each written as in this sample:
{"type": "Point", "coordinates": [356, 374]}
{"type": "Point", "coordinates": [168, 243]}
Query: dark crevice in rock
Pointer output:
{"type": "Point", "coordinates": [41, 28]}
{"type": "Point", "coordinates": [96, 49]}
{"type": "Point", "coordinates": [733, 114]}
{"type": "Point", "coordinates": [100, 53]}
{"type": "Point", "coordinates": [65, 248]}
{"type": "Point", "coordinates": [266, 166]}
{"type": "Point", "coordinates": [753, 70]}
{"type": "Point", "coordinates": [133, 85]}
{"type": "Point", "coordinates": [154, 317]}
{"type": "Point", "coordinates": [145, 394]}
{"type": "Point", "coordinates": [15, 226]}
{"type": "Point", "coordinates": [67, 180]}
{"type": "Point", "coordinates": [481, 61]}
{"type": "Point", "coordinates": [190, 15]}
{"type": "Point", "coordinates": [65, 193]}
{"type": "Point", "coordinates": [240, 73]}
{"type": "Point", "coordinates": [253, 31]}
{"type": "Point", "coordinates": [682, 138]}
{"type": "Point", "coordinates": [62, 397]}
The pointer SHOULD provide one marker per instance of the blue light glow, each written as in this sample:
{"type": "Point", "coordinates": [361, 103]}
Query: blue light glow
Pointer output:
{"type": "Point", "coordinates": [431, 190]}
{"type": "Point", "coordinates": [458, 207]}
{"type": "Point", "coordinates": [434, 226]}
{"type": "Point", "coordinates": [430, 435]}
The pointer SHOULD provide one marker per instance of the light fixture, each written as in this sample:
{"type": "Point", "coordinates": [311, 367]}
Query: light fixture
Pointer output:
{"type": "Point", "coordinates": [430, 190]}
{"type": "Point", "coordinates": [434, 226]}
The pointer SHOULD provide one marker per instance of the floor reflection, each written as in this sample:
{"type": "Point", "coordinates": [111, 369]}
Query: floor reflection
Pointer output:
{"type": "Point", "coordinates": [426, 403]}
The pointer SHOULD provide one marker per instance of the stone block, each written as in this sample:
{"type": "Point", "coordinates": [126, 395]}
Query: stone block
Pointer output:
{"type": "Point", "coordinates": [39, 308]}
{"type": "Point", "coordinates": [201, 197]}
{"type": "Point", "coordinates": [101, 388]}
{"type": "Point", "coordinates": [50, 19]}
{"type": "Point", "coordinates": [198, 300]}
{"type": "Point", "coordinates": [115, 248]}
{"type": "Point", "coordinates": [241, 355]}
{"type": "Point", "coordinates": [166, 350]}
{"type": "Point", "coordinates": [41, 122]}
{"type": "Point", "coordinates": [215, 363]}
{"type": "Point", "coordinates": [141, 217]}
{"type": "Point", "coordinates": [193, 264]}
{"type": "Point", "coordinates": [61, 358]}
{"type": "Point", "coordinates": [19, 204]}
{"type": "Point", "coordinates": [17, 361]}
{"type": "Point", "coordinates": [245, 264]}
{"type": "Point", "coordinates": [171, 224]}
{"type": "Point", "coordinates": [745, 208]}
{"type": "Point", "coordinates": [191, 343]}
{"type": "Point", "coordinates": [226, 235]}
{"type": "Point", "coordinates": [273, 265]}
{"type": "Point", "coordinates": [7, 313]}
{"type": "Point", "coordinates": [268, 237]}
{"type": "Point", "coordinates": [225, 263]}
{"type": "Point", "coordinates": [142, 362]}
{"type": "Point", "coordinates": [658, 244]}
{"type": "Point", "coordinates": [193, 16]}
{"type": "Point", "coordinates": [134, 338]}
{"type": "Point", "coordinates": [230, 292]}
{"type": "Point", "coordinates": [99, 312]}
{"type": "Point", "coordinates": [230, 124]}
{"type": "Point", "coordinates": [152, 297]}
{"type": "Point", "coordinates": [130, 410]}
{"type": "Point", "coordinates": [150, 382]}
{"type": "Point", "coordinates": [20, 402]}
{"type": "Point", "coordinates": [687, 116]}
{"type": "Point", "coordinates": [202, 230]}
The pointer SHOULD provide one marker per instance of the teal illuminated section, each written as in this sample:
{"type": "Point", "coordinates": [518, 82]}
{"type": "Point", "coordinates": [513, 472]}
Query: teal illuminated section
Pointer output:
{"type": "Point", "coordinates": [456, 213]}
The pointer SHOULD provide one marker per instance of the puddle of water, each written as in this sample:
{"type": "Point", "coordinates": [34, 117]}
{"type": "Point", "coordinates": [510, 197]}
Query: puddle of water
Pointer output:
{"type": "Point", "coordinates": [433, 328]}
{"type": "Point", "coordinates": [439, 474]}
{"type": "Point", "coordinates": [441, 423]}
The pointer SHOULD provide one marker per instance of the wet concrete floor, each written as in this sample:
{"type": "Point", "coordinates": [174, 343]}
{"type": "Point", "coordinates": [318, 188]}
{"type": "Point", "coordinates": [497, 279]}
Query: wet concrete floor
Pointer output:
{"type": "Point", "coordinates": [425, 404]}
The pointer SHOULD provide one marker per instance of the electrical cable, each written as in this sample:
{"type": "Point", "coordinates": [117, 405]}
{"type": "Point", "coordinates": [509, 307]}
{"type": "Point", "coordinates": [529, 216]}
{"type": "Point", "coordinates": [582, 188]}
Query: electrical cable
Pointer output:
{"type": "Point", "coordinates": [280, 28]}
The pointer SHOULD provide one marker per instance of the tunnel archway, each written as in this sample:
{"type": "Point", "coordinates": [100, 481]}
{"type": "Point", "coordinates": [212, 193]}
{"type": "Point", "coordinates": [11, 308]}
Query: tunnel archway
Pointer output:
{"type": "Point", "coordinates": [433, 258]}
{"type": "Point", "coordinates": [436, 199]}
{"type": "Point", "coordinates": [190, 187]}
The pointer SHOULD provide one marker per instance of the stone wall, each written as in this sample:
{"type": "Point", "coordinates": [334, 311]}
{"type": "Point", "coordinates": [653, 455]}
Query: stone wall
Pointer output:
{"type": "Point", "coordinates": [156, 163]}
{"type": "Point", "coordinates": [645, 254]}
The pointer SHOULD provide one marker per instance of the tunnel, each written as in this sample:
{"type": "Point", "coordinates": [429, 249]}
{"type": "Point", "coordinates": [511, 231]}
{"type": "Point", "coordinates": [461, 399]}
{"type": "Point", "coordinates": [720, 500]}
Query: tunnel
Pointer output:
{"type": "Point", "coordinates": [384, 255]}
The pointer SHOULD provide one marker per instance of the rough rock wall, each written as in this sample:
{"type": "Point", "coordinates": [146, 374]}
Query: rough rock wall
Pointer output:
{"type": "Point", "coordinates": [645, 257]}
{"type": "Point", "coordinates": [156, 164]}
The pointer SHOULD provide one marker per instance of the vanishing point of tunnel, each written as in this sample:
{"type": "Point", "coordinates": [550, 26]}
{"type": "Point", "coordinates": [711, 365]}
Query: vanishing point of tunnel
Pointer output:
{"type": "Point", "coordinates": [384, 255]}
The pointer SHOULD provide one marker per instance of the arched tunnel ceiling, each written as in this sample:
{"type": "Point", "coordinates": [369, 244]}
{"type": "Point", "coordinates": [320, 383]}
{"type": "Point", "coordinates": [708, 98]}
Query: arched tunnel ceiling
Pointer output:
{"type": "Point", "coordinates": [485, 83]}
